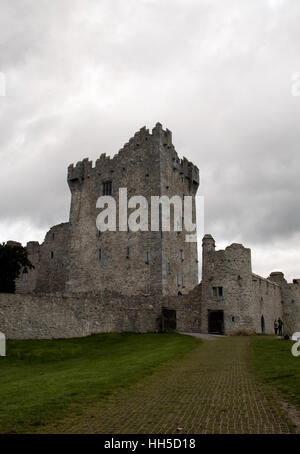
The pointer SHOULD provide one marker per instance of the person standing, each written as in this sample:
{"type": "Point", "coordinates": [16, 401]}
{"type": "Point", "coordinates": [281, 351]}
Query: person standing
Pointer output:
{"type": "Point", "coordinates": [275, 327]}
{"type": "Point", "coordinates": [280, 325]}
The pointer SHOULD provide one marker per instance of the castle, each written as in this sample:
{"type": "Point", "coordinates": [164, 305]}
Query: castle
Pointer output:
{"type": "Point", "coordinates": [85, 280]}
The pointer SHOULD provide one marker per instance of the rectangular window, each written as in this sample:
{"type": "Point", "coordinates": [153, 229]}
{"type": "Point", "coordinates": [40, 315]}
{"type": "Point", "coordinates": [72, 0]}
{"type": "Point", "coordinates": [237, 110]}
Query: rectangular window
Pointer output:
{"type": "Point", "coordinates": [127, 252]}
{"type": "Point", "coordinates": [147, 256]}
{"type": "Point", "coordinates": [182, 255]}
{"type": "Point", "coordinates": [107, 188]}
{"type": "Point", "coordinates": [169, 267]}
{"type": "Point", "coordinates": [217, 292]}
{"type": "Point", "coordinates": [99, 255]}
{"type": "Point", "coordinates": [99, 233]}
{"type": "Point", "coordinates": [52, 254]}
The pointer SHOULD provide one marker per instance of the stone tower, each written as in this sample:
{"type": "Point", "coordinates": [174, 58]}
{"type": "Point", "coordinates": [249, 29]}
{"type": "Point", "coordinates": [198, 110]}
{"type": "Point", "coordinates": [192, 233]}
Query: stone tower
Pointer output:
{"type": "Point", "coordinates": [155, 262]}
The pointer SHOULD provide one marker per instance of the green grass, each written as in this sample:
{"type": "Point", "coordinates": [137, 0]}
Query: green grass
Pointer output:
{"type": "Point", "coordinates": [273, 363]}
{"type": "Point", "coordinates": [41, 380]}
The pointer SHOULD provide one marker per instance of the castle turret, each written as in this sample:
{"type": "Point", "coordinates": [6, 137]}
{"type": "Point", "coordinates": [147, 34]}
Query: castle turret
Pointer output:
{"type": "Point", "coordinates": [208, 249]}
{"type": "Point", "coordinates": [208, 243]}
{"type": "Point", "coordinates": [278, 277]}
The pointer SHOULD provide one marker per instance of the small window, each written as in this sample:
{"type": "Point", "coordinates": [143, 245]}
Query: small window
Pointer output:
{"type": "Point", "coordinates": [232, 318]}
{"type": "Point", "coordinates": [128, 252]}
{"type": "Point", "coordinates": [182, 179]}
{"type": "Point", "coordinates": [53, 236]}
{"type": "Point", "coordinates": [25, 274]}
{"type": "Point", "coordinates": [169, 267]}
{"type": "Point", "coordinates": [178, 280]}
{"type": "Point", "coordinates": [147, 255]}
{"type": "Point", "coordinates": [217, 292]}
{"type": "Point", "coordinates": [99, 254]}
{"type": "Point", "coordinates": [182, 281]}
{"type": "Point", "coordinates": [51, 254]}
{"type": "Point", "coordinates": [99, 233]}
{"type": "Point", "coordinates": [107, 188]}
{"type": "Point", "coordinates": [182, 254]}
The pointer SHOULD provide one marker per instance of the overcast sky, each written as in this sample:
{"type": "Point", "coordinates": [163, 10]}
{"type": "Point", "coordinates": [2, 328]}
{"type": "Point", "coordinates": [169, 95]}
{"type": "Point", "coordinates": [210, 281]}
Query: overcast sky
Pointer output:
{"type": "Point", "coordinates": [83, 75]}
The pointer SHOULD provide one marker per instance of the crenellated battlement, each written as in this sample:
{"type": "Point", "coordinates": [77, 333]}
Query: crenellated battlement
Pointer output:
{"type": "Point", "coordinates": [142, 140]}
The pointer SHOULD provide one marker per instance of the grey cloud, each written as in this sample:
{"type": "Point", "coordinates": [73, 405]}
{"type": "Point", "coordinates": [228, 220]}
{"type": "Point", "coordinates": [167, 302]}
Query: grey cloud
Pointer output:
{"type": "Point", "coordinates": [83, 76]}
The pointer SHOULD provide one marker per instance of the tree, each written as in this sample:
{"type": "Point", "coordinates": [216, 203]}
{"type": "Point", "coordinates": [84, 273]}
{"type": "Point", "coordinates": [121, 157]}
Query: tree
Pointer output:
{"type": "Point", "coordinates": [13, 257]}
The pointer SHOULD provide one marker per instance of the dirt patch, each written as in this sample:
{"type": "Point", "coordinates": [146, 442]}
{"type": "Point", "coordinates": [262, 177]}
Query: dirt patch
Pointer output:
{"type": "Point", "coordinates": [292, 411]}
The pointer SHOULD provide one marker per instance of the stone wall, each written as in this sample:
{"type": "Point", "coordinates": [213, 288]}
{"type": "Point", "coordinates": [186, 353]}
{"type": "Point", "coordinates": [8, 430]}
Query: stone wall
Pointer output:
{"type": "Point", "coordinates": [290, 299]}
{"type": "Point", "coordinates": [179, 177]}
{"type": "Point", "coordinates": [267, 305]}
{"type": "Point", "coordinates": [50, 260]}
{"type": "Point", "coordinates": [65, 316]}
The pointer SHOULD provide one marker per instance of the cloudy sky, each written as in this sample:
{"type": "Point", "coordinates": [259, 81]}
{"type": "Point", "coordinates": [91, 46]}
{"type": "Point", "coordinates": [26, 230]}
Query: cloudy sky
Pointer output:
{"type": "Point", "coordinates": [82, 76]}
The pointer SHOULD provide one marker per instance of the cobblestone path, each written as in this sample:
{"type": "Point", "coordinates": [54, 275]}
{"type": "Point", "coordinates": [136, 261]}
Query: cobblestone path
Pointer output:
{"type": "Point", "coordinates": [211, 390]}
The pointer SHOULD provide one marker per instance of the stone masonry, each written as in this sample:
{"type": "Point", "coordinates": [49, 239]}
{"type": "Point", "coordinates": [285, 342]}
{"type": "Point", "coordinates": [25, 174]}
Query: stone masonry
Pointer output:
{"type": "Point", "coordinates": [76, 257]}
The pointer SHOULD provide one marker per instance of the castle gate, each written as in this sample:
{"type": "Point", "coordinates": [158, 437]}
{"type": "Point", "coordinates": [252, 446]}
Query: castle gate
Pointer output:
{"type": "Point", "coordinates": [216, 322]}
{"type": "Point", "coordinates": [168, 320]}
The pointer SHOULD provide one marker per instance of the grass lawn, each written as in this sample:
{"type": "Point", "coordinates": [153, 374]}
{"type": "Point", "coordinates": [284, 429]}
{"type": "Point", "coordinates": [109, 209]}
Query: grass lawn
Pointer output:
{"type": "Point", "coordinates": [42, 379]}
{"type": "Point", "coordinates": [274, 365]}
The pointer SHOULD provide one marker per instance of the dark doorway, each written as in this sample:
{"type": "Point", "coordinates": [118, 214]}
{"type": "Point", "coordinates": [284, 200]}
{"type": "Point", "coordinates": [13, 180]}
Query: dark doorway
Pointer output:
{"type": "Point", "coordinates": [168, 320]}
{"type": "Point", "coordinates": [216, 322]}
{"type": "Point", "coordinates": [262, 322]}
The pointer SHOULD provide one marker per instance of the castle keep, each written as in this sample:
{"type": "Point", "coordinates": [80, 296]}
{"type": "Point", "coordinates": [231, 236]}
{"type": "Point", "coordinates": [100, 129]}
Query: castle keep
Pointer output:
{"type": "Point", "coordinates": [76, 257]}
{"type": "Point", "coordinates": [87, 281]}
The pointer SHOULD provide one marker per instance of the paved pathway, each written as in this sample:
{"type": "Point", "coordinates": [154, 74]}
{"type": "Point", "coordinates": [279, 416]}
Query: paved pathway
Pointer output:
{"type": "Point", "coordinates": [208, 391]}
{"type": "Point", "coordinates": [204, 336]}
